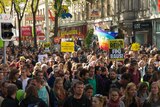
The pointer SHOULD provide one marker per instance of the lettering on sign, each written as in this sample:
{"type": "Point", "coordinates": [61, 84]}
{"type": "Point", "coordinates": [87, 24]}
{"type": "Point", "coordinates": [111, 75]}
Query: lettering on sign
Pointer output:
{"type": "Point", "coordinates": [116, 44]}
{"type": "Point", "coordinates": [116, 53]}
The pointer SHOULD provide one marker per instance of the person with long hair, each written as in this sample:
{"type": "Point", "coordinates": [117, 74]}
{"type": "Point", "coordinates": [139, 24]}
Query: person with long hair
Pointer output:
{"type": "Point", "coordinates": [130, 99]}
{"type": "Point", "coordinates": [31, 99]}
{"type": "Point", "coordinates": [114, 98]}
{"type": "Point", "coordinates": [153, 99]}
{"type": "Point", "coordinates": [59, 94]}
{"type": "Point", "coordinates": [143, 91]}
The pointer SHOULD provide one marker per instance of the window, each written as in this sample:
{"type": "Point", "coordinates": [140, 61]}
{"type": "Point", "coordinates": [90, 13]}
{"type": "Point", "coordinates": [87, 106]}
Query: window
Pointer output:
{"type": "Point", "coordinates": [130, 4]}
{"type": "Point", "coordinates": [116, 6]}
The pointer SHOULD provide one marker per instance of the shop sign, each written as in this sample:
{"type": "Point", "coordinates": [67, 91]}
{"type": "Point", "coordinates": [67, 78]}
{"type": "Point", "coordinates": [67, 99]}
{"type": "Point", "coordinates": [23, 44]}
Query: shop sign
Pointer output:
{"type": "Point", "coordinates": [116, 49]}
{"type": "Point", "coordinates": [142, 25]}
{"type": "Point", "coordinates": [38, 18]}
{"type": "Point", "coordinates": [71, 32]}
{"type": "Point", "coordinates": [26, 31]}
{"type": "Point", "coordinates": [67, 46]}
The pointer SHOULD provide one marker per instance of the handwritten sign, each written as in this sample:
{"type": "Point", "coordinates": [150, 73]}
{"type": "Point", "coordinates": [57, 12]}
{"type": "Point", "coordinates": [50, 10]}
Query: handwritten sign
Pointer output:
{"type": "Point", "coordinates": [116, 43]}
{"type": "Point", "coordinates": [67, 46]}
{"type": "Point", "coordinates": [116, 49]}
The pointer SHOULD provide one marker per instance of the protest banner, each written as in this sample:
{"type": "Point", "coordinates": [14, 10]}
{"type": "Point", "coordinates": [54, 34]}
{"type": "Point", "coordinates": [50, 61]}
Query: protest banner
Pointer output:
{"type": "Point", "coordinates": [67, 46]}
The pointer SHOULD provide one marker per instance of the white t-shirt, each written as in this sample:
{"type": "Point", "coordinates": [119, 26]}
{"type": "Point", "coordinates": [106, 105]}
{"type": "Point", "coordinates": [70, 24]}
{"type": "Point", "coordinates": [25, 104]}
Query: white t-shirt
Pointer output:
{"type": "Point", "coordinates": [24, 83]}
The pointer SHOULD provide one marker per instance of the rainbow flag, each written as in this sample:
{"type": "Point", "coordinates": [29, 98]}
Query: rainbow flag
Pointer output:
{"type": "Point", "coordinates": [104, 37]}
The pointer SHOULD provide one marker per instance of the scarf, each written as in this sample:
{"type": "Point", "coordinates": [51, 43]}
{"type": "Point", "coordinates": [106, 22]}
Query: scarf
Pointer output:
{"type": "Point", "coordinates": [112, 103]}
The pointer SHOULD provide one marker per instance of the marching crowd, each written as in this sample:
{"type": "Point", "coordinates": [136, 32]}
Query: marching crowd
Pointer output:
{"type": "Point", "coordinates": [84, 78]}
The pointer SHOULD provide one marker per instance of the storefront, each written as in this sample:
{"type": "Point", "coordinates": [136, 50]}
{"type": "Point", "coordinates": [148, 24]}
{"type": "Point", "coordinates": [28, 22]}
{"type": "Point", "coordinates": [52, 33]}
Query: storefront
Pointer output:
{"type": "Point", "coordinates": [156, 33]}
{"type": "Point", "coordinates": [74, 31]}
{"type": "Point", "coordinates": [142, 32]}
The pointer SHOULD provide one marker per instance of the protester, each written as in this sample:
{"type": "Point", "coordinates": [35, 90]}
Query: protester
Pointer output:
{"type": "Point", "coordinates": [129, 98]}
{"type": "Point", "coordinates": [10, 100]}
{"type": "Point", "coordinates": [114, 98]}
{"type": "Point", "coordinates": [57, 72]}
{"type": "Point", "coordinates": [78, 99]}
{"type": "Point", "coordinates": [14, 76]}
{"type": "Point", "coordinates": [143, 91]}
{"type": "Point", "coordinates": [59, 94]}
{"type": "Point", "coordinates": [42, 90]}
{"type": "Point", "coordinates": [88, 91]}
{"type": "Point", "coordinates": [31, 98]}
{"type": "Point", "coordinates": [98, 100]}
{"type": "Point", "coordinates": [153, 99]}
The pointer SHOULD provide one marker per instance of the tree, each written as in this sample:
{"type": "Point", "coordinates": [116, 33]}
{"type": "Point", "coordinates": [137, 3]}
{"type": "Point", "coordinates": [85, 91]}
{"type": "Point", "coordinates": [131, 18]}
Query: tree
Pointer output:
{"type": "Point", "coordinates": [4, 4]}
{"type": "Point", "coordinates": [88, 39]}
{"type": "Point", "coordinates": [58, 7]}
{"type": "Point", "coordinates": [34, 7]}
{"type": "Point", "coordinates": [2, 7]}
{"type": "Point", "coordinates": [20, 14]}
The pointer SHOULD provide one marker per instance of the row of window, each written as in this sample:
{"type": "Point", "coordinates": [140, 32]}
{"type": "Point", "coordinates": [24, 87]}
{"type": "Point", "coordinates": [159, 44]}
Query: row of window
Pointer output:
{"type": "Point", "coordinates": [129, 5]}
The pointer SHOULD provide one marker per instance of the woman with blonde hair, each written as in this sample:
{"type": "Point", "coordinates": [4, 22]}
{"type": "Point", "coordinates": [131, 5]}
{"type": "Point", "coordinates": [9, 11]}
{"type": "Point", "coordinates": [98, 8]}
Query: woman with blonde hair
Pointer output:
{"type": "Point", "coordinates": [153, 99]}
{"type": "Point", "coordinates": [98, 101]}
{"type": "Point", "coordinates": [130, 99]}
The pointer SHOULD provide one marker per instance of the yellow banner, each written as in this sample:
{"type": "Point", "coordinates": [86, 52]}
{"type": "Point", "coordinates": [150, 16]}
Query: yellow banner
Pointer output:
{"type": "Point", "coordinates": [116, 44]}
{"type": "Point", "coordinates": [71, 32]}
{"type": "Point", "coordinates": [67, 46]}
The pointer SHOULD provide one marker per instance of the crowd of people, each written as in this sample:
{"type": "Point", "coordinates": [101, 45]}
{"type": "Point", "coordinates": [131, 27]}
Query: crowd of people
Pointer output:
{"type": "Point", "coordinates": [84, 78]}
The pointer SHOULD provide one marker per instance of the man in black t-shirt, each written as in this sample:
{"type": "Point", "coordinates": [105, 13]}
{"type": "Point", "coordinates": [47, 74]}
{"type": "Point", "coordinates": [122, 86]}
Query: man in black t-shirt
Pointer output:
{"type": "Point", "coordinates": [78, 99]}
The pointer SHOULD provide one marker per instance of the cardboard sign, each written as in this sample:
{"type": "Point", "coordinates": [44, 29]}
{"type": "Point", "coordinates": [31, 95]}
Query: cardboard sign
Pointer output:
{"type": "Point", "coordinates": [67, 46]}
{"type": "Point", "coordinates": [116, 49]}
{"type": "Point", "coordinates": [42, 58]}
{"type": "Point", "coordinates": [116, 43]}
{"type": "Point", "coordinates": [116, 54]}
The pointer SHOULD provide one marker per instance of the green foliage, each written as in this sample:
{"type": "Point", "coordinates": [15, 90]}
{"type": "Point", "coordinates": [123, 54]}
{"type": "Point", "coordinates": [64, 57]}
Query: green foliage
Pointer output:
{"type": "Point", "coordinates": [88, 39]}
{"type": "Point", "coordinates": [17, 5]}
{"type": "Point", "coordinates": [4, 4]}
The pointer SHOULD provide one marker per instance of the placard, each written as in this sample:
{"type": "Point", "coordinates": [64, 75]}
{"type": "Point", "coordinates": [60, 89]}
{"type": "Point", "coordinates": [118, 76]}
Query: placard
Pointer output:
{"type": "Point", "coordinates": [67, 46]}
{"type": "Point", "coordinates": [116, 43]}
{"type": "Point", "coordinates": [117, 54]}
{"type": "Point", "coordinates": [116, 49]}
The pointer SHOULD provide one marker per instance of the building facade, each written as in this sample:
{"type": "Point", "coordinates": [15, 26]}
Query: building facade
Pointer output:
{"type": "Point", "coordinates": [140, 20]}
